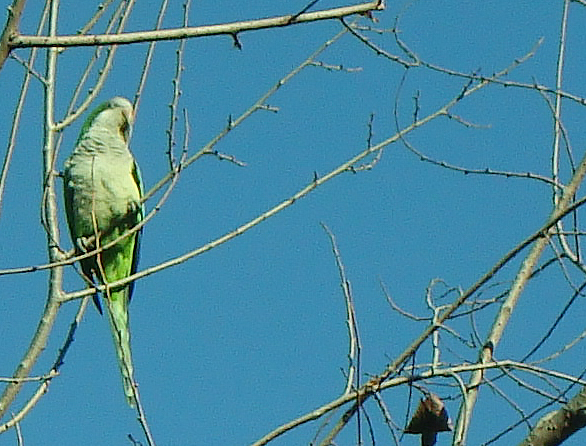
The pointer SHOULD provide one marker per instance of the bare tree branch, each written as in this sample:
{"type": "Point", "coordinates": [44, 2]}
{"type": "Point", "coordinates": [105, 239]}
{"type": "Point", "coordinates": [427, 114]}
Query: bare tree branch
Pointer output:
{"type": "Point", "coordinates": [230, 29]}
{"type": "Point", "coordinates": [10, 29]}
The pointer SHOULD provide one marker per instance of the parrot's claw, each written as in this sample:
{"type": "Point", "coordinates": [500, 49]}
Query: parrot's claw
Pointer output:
{"type": "Point", "coordinates": [133, 208]}
{"type": "Point", "coordinates": [82, 244]}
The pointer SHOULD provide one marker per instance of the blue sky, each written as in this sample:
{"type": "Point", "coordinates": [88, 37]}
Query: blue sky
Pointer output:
{"type": "Point", "coordinates": [252, 334]}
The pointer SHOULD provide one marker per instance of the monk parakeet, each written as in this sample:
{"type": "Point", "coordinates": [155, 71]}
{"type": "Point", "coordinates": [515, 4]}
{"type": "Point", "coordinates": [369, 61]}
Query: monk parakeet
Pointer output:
{"type": "Point", "coordinates": [103, 190]}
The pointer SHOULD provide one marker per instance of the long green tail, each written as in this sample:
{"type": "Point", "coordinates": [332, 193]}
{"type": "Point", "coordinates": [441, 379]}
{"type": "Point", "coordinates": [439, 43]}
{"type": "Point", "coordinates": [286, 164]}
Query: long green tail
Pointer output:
{"type": "Point", "coordinates": [118, 315]}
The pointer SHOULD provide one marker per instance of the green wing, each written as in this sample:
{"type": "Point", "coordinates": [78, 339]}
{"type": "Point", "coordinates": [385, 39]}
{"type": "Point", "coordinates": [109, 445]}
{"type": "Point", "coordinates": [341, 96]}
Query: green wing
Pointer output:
{"type": "Point", "coordinates": [139, 216]}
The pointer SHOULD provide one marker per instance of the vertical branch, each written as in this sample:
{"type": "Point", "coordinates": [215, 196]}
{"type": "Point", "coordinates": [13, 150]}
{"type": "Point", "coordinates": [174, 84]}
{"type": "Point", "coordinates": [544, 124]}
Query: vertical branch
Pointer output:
{"type": "Point", "coordinates": [353, 379]}
{"type": "Point", "coordinates": [19, 107]}
{"type": "Point", "coordinates": [435, 320]}
{"type": "Point", "coordinates": [558, 131]}
{"type": "Point", "coordinates": [148, 59]}
{"type": "Point", "coordinates": [555, 158]}
{"type": "Point", "coordinates": [353, 339]}
{"type": "Point", "coordinates": [185, 149]}
{"type": "Point", "coordinates": [176, 92]}
{"type": "Point", "coordinates": [50, 202]}
{"type": "Point", "coordinates": [45, 325]}
{"type": "Point", "coordinates": [142, 417]}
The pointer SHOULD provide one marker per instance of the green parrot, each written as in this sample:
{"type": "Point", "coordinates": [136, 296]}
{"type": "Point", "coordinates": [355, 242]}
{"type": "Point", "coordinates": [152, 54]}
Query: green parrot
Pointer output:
{"type": "Point", "coordinates": [103, 190]}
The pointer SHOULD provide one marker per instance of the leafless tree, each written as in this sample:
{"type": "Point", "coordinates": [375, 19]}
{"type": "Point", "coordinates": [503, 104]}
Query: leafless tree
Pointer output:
{"type": "Point", "coordinates": [475, 366]}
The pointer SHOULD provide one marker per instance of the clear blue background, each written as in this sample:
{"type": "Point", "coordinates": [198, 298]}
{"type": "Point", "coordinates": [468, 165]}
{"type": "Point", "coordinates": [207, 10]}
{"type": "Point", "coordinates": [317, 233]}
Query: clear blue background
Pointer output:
{"type": "Point", "coordinates": [252, 334]}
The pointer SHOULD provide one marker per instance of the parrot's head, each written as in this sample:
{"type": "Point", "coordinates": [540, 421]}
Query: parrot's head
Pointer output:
{"type": "Point", "coordinates": [117, 115]}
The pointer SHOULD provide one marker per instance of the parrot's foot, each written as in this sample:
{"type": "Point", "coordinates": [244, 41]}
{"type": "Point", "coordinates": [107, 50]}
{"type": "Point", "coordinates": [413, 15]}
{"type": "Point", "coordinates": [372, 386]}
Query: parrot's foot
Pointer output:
{"type": "Point", "coordinates": [83, 244]}
{"type": "Point", "coordinates": [133, 208]}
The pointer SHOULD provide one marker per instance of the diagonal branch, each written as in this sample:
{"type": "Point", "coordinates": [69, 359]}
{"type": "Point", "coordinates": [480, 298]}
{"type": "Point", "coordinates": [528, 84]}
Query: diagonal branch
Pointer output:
{"type": "Point", "coordinates": [45, 325]}
{"type": "Point", "coordinates": [508, 306]}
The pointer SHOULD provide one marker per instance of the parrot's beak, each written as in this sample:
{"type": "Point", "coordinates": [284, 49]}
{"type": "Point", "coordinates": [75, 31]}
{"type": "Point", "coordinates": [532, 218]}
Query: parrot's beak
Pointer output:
{"type": "Point", "coordinates": [129, 115]}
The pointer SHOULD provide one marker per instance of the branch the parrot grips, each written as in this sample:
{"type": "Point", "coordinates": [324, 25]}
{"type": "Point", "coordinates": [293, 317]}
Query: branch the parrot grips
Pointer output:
{"type": "Point", "coordinates": [430, 418]}
{"type": "Point", "coordinates": [83, 246]}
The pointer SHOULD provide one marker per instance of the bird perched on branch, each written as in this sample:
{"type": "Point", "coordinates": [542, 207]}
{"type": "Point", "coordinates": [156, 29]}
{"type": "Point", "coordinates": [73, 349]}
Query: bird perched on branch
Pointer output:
{"type": "Point", "coordinates": [430, 418]}
{"type": "Point", "coordinates": [102, 191]}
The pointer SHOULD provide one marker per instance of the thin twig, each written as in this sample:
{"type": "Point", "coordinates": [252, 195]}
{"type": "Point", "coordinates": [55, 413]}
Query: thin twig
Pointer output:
{"type": "Point", "coordinates": [102, 8]}
{"type": "Point", "coordinates": [149, 57]}
{"type": "Point", "coordinates": [93, 92]}
{"type": "Point", "coordinates": [176, 91]}
{"type": "Point", "coordinates": [354, 347]}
